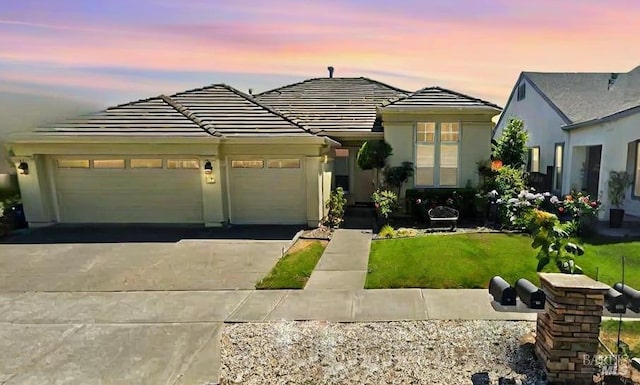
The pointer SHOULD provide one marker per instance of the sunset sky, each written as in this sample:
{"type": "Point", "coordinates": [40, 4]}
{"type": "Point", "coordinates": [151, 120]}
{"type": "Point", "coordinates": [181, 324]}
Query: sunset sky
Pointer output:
{"type": "Point", "coordinates": [113, 51]}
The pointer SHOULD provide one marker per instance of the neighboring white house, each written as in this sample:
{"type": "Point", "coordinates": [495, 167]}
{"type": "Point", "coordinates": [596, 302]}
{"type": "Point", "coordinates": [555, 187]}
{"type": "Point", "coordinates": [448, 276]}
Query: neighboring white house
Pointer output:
{"type": "Point", "coordinates": [581, 126]}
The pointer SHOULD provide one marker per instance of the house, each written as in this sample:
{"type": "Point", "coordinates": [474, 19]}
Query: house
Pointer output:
{"type": "Point", "coordinates": [581, 126]}
{"type": "Point", "coordinates": [215, 155]}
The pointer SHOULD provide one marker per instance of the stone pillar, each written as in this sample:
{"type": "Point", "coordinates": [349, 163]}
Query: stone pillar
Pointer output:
{"type": "Point", "coordinates": [568, 329]}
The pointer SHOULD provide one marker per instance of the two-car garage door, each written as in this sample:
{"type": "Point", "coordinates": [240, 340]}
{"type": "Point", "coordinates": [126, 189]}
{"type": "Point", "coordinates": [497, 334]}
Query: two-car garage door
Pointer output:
{"type": "Point", "coordinates": [265, 190]}
{"type": "Point", "coordinates": [120, 190]}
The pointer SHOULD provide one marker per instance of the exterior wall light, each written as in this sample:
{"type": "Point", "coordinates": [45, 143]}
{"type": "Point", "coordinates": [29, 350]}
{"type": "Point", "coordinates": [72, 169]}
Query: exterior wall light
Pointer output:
{"type": "Point", "coordinates": [23, 168]}
{"type": "Point", "coordinates": [208, 168]}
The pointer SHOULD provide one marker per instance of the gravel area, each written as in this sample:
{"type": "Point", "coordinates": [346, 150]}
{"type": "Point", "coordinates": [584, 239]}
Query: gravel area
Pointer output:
{"type": "Point", "coordinates": [415, 352]}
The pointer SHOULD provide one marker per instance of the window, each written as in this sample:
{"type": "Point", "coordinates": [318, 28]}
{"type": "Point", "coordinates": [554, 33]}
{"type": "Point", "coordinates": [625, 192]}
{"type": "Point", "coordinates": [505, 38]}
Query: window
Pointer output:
{"type": "Point", "coordinates": [522, 91]}
{"type": "Point", "coordinates": [341, 169]}
{"type": "Point", "coordinates": [283, 163]}
{"type": "Point", "coordinates": [73, 163]}
{"type": "Point", "coordinates": [108, 163]}
{"type": "Point", "coordinates": [437, 154]}
{"type": "Point", "coordinates": [183, 163]}
{"type": "Point", "coordinates": [533, 160]}
{"type": "Point", "coordinates": [557, 184]}
{"type": "Point", "coordinates": [636, 185]}
{"type": "Point", "coordinates": [247, 163]}
{"type": "Point", "coordinates": [146, 163]}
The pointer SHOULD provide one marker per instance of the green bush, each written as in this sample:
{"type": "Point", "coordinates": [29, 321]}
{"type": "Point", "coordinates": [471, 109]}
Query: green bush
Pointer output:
{"type": "Point", "coordinates": [386, 232]}
{"type": "Point", "coordinates": [335, 205]}
{"type": "Point", "coordinates": [511, 147]}
{"type": "Point", "coordinates": [386, 202]}
{"type": "Point", "coordinates": [463, 200]}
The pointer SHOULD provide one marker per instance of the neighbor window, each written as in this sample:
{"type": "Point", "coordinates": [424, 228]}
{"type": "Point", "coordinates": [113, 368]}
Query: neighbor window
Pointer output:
{"type": "Point", "coordinates": [108, 163]}
{"type": "Point", "coordinates": [146, 163]}
{"type": "Point", "coordinates": [73, 163]}
{"type": "Point", "coordinates": [558, 157]}
{"type": "Point", "coordinates": [437, 154]}
{"type": "Point", "coordinates": [283, 163]}
{"type": "Point", "coordinates": [522, 91]}
{"type": "Point", "coordinates": [636, 186]}
{"type": "Point", "coordinates": [533, 161]}
{"type": "Point", "coordinates": [247, 163]}
{"type": "Point", "coordinates": [183, 163]}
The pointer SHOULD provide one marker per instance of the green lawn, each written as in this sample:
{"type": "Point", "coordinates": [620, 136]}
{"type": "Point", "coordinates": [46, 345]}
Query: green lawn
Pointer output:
{"type": "Point", "coordinates": [470, 260]}
{"type": "Point", "coordinates": [630, 334]}
{"type": "Point", "coordinates": [294, 269]}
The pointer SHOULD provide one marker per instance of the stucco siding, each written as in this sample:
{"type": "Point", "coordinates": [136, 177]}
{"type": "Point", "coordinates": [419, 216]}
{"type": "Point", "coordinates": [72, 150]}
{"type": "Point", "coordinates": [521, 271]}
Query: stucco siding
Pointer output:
{"type": "Point", "coordinates": [541, 121]}
{"type": "Point", "coordinates": [617, 154]}
{"type": "Point", "coordinates": [475, 146]}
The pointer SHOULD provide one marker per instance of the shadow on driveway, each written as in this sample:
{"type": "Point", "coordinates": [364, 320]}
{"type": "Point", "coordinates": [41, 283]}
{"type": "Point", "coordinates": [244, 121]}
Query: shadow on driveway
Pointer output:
{"type": "Point", "coordinates": [118, 233]}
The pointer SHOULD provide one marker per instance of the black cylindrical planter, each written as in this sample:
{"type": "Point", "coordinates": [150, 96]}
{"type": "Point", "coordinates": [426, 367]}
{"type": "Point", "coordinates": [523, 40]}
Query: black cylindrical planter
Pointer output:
{"type": "Point", "coordinates": [616, 216]}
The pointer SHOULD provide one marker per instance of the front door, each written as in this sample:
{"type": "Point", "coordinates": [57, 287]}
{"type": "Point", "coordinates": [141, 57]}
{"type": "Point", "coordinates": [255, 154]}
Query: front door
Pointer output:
{"type": "Point", "coordinates": [593, 170]}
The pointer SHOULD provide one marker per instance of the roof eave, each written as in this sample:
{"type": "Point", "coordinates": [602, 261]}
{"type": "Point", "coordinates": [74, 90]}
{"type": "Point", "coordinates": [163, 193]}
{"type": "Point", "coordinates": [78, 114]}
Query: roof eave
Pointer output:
{"type": "Point", "coordinates": [441, 109]}
{"type": "Point", "coordinates": [604, 119]}
{"type": "Point", "coordinates": [78, 137]}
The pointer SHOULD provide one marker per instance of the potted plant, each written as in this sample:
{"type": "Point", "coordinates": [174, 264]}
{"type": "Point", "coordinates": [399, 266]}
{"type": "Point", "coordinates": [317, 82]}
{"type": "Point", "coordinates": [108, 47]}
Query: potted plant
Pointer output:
{"type": "Point", "coordinates": [619, 181]}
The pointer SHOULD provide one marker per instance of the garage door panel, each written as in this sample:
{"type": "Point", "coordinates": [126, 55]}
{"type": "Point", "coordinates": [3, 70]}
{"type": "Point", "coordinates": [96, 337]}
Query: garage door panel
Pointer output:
{"type": "Point", "coordinates": [268, 196]}
{"type": "Point", "coordinates": [129, 196]}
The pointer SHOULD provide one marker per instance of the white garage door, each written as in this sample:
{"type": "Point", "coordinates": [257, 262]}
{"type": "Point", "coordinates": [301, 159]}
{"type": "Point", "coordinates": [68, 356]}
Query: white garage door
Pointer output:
{"type": "Point", "coordinates": [150, 190]}
{"type": "Point", "coordinates": [267, 191]}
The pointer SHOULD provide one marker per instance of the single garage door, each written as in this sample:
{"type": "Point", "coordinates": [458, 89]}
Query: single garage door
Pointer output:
{"type": "Point", "coordinates": [267, 191]}
{"type": "Point", "coordinates": [135, 190]}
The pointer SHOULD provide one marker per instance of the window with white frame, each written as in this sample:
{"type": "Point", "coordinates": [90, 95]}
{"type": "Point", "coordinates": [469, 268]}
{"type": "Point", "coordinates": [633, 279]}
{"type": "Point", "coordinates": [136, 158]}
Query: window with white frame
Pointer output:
{"type": "Point", "coordinates": [437, 147]}
{"type": "Point", "coordinates": [558, 158]}
{"type": "Point", "coordinates": [636, 185]}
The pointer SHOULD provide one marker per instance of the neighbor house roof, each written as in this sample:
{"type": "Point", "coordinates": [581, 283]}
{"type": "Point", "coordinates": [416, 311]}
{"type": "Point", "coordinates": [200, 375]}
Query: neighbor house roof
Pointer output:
{"type": "Point", "coordinates": [440, 97]}
{"type": "Point", "coordinates": [332, 104]}
{"type": "Point", "coordinates": [584, 97]}
{"type": "Point", "coordinates": [217, 110]}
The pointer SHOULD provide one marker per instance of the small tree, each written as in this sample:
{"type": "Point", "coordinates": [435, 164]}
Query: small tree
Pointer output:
{"type": "Point", "coordinates": [373, 156]}
{"type": "Point", "coordinates": [511, 147]}
{"type": "Point", "coordinates": [397, 176]}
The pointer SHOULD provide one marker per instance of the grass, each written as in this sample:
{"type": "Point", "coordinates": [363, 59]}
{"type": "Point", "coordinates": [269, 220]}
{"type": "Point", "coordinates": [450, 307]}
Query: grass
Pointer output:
{"type": "Point", "coordinates": [630, 334]}
{"type": "Point", "coordinates": [294, 269]}
{"type": "Point", "coordinates": [470, 260]}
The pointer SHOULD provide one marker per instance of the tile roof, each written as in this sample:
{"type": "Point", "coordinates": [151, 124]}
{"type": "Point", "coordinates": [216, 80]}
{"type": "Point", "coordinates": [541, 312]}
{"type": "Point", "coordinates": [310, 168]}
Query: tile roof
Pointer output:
{"type": "Point", "coordinates": [157, 116]}
{"type": "Point", "coordinates": [230, 112]}
{"type": "Point", "coordinates": [327, 104]}
{"type": "Point", "coordinates": [440, 97]}
{"type": "Point", "coordinates": [217, 110]}
{"type": "Point", "coordinates": [588, 96]}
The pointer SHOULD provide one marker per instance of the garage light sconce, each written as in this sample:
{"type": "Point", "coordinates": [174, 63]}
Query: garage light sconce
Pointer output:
{"type": "Point", "coordinates": [208, 172]}
{"type": "Point", "coordinates": [23, 168]}
{"type": "Point", "coordinates": [208, 168]}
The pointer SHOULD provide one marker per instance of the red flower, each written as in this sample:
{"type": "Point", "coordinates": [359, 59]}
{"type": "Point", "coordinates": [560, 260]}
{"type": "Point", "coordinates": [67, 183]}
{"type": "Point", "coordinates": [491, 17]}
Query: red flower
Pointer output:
{"type": "Point", "coordinates": [594, 204]}
{"type": "Point", "coordinates": [560, 210]}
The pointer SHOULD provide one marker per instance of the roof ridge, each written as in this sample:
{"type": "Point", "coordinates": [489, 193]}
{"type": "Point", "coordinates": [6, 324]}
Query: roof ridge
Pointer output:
{"type": "Point", "coordinates": [133, 102]}
{"type": "Point", "coordinates": [209, 128]}
{"type": "Point", "coordinates": [265, 107]}
{"type": "Point", "coordinates": [322, 78]}
{"type": "Point", "coordinates": [488, 103]}
{"type": "Point", "coordinates": [277, 89]}
{"type": "Point", "coordinates": [385, 85]}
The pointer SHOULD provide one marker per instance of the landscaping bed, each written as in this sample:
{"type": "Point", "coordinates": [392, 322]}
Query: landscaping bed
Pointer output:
{"type": "Point", "coordinates": [294, 269]}
{"type": "Point", "coordinates": [470, 260]}
{"type": "Point", "coordinates": [417, 352]}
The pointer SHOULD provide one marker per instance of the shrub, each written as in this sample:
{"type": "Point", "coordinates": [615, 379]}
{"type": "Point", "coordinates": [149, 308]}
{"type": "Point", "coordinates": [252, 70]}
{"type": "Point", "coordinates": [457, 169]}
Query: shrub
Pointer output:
{"type": "Point", "coordinates": [511, 147]}
{"type": "Point", "coordinates": [335, 205]}
{"type": "Point", "coordinates": [509, 182]}
{"type": "Point", "coordinates": [552, 239]}
{"type": "Point", "coordinates": [386, 202]}
{"type": "Point", "coordinates": [618, 183]}
{"type": "Point", "coordinates": [395, 177]}
{"type": "Point", "coordinates": [386, 232]}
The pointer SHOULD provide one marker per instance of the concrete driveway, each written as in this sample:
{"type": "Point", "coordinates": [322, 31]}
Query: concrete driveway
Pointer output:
{"type": "Point", "coordinates": [125, 305]}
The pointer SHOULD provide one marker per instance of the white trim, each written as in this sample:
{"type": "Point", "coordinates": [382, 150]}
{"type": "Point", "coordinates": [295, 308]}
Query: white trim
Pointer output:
{"type": "Point", "coordinates": [227, 162]}
{"type": "Point", "coordinates": [51, 166]}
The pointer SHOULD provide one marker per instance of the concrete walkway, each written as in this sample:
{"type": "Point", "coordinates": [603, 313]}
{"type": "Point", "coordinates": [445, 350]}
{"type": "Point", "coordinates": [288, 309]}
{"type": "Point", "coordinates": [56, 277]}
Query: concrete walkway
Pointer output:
{"type": "Point", "coordinates": [343, 265]}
